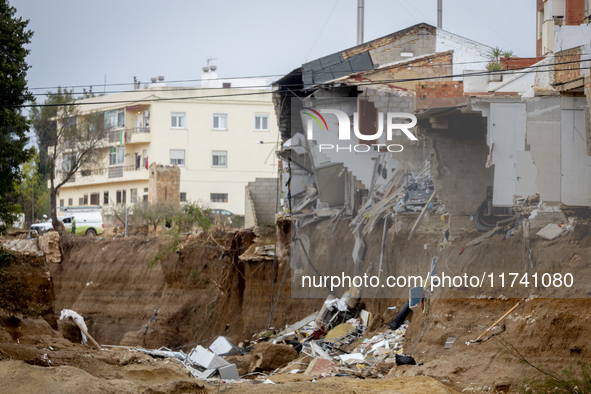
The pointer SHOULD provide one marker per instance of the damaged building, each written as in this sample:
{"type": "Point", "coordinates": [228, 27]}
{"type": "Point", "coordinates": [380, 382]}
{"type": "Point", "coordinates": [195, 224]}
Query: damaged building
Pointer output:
{"type": "Point", "coordinates": [491, 138]}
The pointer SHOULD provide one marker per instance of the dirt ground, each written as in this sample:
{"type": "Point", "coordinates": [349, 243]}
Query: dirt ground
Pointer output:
{"type": "Point", "coordinates": [202, 290]}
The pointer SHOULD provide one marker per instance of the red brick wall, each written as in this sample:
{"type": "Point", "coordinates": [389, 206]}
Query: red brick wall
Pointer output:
{"type": "Point", "coordinates": [574, 12]}
{"type": "Point", "coordinates": [567, 72]}
{"type": "Point", "coordinates": [520, 62]}
{"type": "Point", "coordinates": [431, 94]}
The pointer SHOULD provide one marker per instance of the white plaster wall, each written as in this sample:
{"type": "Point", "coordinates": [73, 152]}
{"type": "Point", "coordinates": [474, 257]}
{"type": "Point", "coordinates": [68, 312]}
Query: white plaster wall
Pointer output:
{"type": "Point", "coordinates": [544, 79]}
{"type": "Point", "coordinates": [543, 138]}
{"type": "Point", "coordinates": [476, 83]}
{"type": "Point", "coordinates": [518, 82]}
{"type": "Point", "coordinates": [576, 165]}
{"type": "Point", "coordinates": [567, 37]}
{"type": "Point", "coordinates": [526, 175]}
{"type": "Point", "coordinates": [465, 50]}
{"type": "Point", "coordinates": [245, 159]}
{"type": "Point", "coordinates": [507, 132]}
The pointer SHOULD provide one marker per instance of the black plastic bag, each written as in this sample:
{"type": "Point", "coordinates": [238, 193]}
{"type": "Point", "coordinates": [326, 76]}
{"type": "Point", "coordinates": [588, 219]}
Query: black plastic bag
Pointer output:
{"type": "Point", "coordinates": [405, 359]}
{"type": "Point", "coordinates": [400, 317]}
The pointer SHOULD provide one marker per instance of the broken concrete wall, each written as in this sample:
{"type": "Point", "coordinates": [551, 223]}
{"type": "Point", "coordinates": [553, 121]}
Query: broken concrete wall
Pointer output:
{"type": "Point", "coordinates": [250, 216]}
{"type": "Point", "coordinates": [264, 194]}
{"type": "Point", "coordinates": [49, 243]}
{"type": "Point", "coordinates": [458, 159]}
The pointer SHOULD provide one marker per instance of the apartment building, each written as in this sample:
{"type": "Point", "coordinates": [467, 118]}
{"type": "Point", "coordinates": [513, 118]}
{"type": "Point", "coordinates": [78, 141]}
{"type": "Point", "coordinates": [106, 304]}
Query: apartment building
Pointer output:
{"type": "Point", "coordinates": [561, 24]}
{"type": "Point", "coordinates": [221, 136]}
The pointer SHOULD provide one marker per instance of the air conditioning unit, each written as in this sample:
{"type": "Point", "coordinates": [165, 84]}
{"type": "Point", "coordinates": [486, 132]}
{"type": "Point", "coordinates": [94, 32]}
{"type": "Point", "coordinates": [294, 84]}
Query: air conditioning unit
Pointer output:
{"type": "Point", "coordinates": [146, 114]}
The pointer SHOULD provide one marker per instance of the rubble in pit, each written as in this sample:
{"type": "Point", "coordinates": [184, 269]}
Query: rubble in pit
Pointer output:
{"type": "Point", "coordinates": [331, 342]}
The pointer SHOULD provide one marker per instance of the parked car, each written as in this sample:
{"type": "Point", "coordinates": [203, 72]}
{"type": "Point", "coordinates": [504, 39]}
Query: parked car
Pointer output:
{"type": "Point", "coordinates": [226, 218]}
{"type": "Point", "coordinates": [221, 212]}
{"type": "Point", "coordinates": [42, 228]}
{"type": "Point", "coordinates": [45, 226]}
{"type": "Point", "coordinates": [87, 222]}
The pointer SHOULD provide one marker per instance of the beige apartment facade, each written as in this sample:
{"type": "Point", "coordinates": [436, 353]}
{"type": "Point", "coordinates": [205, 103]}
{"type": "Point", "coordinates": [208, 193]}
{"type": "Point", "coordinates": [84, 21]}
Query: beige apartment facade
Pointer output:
{"type": "Point", "coordinates": [220, 138]}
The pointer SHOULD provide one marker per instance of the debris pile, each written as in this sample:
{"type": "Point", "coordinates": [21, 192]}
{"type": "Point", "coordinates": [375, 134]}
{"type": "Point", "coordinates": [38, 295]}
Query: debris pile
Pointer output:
{"type": "Point", "coordinates": [330, 342]}
{"type": "Point", "coordinates": [404, 192]}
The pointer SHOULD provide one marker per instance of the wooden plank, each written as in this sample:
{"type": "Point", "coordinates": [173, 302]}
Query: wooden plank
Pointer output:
{"type": "Point", "coordinates": [95, 343]}
{"type": "Point", "coordinates": [497, 322]}
{"type": "Point", "coordinates": [414, 227]}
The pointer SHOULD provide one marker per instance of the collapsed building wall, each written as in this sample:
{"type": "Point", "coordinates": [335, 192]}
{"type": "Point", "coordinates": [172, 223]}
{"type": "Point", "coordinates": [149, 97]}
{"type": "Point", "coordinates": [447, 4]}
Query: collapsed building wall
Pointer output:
{"type": "Point", "coordinates": [261, 202]}
{"type": "Point", "coordinates": [458, 162]}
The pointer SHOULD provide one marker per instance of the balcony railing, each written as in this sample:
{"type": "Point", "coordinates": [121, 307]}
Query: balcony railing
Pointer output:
{"type": "Point", "coordinates": [125, 134]}
{"type": "Point", "coordinates": [111, 172]}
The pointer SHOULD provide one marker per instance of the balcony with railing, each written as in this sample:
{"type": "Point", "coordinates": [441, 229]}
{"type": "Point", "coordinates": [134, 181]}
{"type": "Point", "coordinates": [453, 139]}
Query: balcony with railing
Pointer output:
{"type": "Point", "coordinates": [138, 135]}
{"type": "Point", "coordinates": [120, 173]}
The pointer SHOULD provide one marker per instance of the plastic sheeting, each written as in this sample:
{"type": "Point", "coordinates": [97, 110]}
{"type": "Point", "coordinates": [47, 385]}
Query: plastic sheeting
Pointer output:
{"type": "Point", "coordinates": [67, 313]}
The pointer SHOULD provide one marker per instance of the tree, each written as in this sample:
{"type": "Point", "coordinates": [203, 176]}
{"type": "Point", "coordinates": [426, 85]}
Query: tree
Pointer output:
{"type": "Point", "coordinates": [74, 140]}
{"type": "Point", "coordinates": [13, 94]}
{"type": "Point", "coordinates": [142, 213]}
{"type": "Point", "coordinates": [32, 192]}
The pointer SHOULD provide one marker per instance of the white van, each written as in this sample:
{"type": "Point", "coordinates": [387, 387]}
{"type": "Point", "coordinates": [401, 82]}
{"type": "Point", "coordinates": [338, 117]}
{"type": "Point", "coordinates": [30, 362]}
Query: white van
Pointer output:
{"type": "Point", "coordinates": [87, 222]}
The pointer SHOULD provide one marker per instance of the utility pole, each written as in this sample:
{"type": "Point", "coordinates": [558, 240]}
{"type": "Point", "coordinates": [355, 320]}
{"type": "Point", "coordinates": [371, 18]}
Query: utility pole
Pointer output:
{"type": "Point", "coordinates": [126, 219]}
{"type": "Point", "coordinates": [440, 14]}
{"type": "Point", "coordinates": [360, 6]}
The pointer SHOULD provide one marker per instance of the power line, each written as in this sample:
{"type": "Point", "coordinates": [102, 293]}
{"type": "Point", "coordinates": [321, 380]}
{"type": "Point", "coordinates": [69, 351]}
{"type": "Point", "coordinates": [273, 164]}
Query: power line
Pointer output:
{"type": "Point", "coordinates": [315, 73]}
{"type": "Point", "coordinates": [177, 81]}
{"type": "Point", "coordinates": [321, 30]}
{"type": "Point", "coordinates": [327, 85]}
{"type": "Point", "coordinates": [486, 24]}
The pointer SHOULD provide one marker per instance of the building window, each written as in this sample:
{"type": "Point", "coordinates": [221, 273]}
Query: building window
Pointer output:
{"type": "Point", "coordinates": [145, 198]}
{"type": "Point", "coordinates": [183, 197]}
{"type": "Point", "coordinates": [81, 201]}
{"type": "Point", "coordinates": [177, 156]}
{"type": "Point", "coordinates": [226, 85]}
{"type": "Point", "coordinates": [94, 198]}
{"type": "Point", "coordinates": [61, 203]}
{"type": "Point", "coordinates": [117, 119]}
{"type": "Point", "coordinates": [116, 155]}
{"type": "Point", "coordinates": [86, 199]}
{"type": "Point", "coordinates": [133, 195]}
{"type": "Point", "coordinates": [261, 122]}
{"type": "Point", "coordinates": [69, 162]}
{"type": "Point", "coordinates": [70, 202]}
{"type": "Point", "coordinates": [219, 197]}
{"type": "Point", "coordinates": [177, 120]}
{"type": "Point", "coordinates": [145, 158]}
{"type": "Point", "coordinates": [106, 198]}
{"type": "Point", "coordinates": [145, 189]}
{"type": "Point", "coordinates": [219, 158]}
{"type": "Point", "coordinates": [121, 197]}
{"type": "Point", "coordinates": [220, 121]}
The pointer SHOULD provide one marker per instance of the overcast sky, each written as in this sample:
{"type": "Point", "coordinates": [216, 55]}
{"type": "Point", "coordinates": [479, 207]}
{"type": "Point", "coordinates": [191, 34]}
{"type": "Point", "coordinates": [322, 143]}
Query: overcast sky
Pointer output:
{"type": "Point", "coordinates": [78, 42]}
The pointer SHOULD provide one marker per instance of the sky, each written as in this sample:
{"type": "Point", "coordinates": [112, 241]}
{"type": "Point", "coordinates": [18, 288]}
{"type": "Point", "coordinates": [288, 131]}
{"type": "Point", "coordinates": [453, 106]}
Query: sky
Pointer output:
{"type": "Point", "coordinates": [79, 43]}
